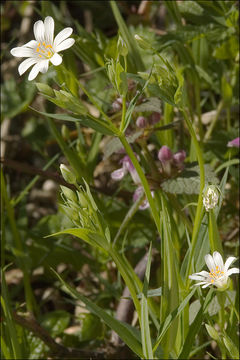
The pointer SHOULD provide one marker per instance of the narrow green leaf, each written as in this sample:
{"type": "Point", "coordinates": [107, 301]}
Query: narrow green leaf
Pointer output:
{"type": "Point", "coordinates": [170, 318]}
{"type": "Point", "coordinates": [90, 237]}
{"type": "Point", "coordinates": [134, 55]}
{"type": "Point", "coordinates": [195, 326]}
{"type": "Point", "coordinates": [94, 123]}
{"type": "Point", "coordinates": [231, 347]}
{"type": "Point", "coordinates": [145, 330]}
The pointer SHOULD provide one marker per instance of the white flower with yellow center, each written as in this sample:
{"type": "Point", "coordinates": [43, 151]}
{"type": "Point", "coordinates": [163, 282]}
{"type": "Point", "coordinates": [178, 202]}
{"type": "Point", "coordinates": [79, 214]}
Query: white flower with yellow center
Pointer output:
{"type": "Point", "coordinates": [219, 272]}
{"type": "Point", "coordinates": [44, 49]}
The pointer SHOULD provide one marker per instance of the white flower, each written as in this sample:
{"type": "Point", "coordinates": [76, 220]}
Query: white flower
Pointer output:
{"type": "Point", "coordinates": [210, 197]}
{"type": "Point", "coordinates": [44, 49]}
{"type": "Point", "coordinates": [218, 274]}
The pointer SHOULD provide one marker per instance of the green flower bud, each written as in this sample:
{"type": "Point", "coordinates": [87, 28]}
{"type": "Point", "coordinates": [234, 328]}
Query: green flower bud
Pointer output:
{"type": "Point", "coordinates": [144, 44]}
{"type": "Point", "coordinates": [122, 47]}
{"type": "Point", "coordinates": [69, 194]}
{"type": "Point", "coordinates": [67, 174]}
{"type": "Point", "coordinates": [45, 89]}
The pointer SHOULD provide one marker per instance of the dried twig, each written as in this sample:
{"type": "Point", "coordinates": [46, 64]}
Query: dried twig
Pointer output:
{"type": "Point", "coordinates": [57, 350]}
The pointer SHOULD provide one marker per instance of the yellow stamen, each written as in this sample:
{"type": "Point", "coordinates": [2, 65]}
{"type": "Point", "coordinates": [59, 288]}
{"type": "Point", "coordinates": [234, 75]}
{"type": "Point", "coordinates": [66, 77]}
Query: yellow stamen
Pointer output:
{"type": "Point", "coordinates": [212, 281]}
{"type": "Point", "coordinates": [37, 49]}
{"type": "Point", "coordinates": [49, 46]}
{"type": "Point", "coordinates": [40, 55]}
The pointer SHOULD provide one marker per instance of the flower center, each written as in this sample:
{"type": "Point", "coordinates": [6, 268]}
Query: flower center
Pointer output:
{"type": "Point", "coordinates": [215, 274]}
{"type": "Point", "coordinates": [44, 51]}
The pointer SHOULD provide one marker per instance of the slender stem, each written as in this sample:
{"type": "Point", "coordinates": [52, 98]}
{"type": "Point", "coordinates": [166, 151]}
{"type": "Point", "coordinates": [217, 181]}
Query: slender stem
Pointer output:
{"type": "Point", "coordinates": [143, 180]}
{"type": "Point", "coordinates": [198, 106]}
{"type": "Point", "coordinates": [198, 215]}
{"type": "Point", "coordinates": [123, 113]}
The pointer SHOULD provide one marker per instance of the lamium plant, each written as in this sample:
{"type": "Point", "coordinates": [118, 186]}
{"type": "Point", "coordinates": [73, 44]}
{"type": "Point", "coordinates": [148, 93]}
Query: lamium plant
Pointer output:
{"type": "Point", "coordinates": [138, 121]}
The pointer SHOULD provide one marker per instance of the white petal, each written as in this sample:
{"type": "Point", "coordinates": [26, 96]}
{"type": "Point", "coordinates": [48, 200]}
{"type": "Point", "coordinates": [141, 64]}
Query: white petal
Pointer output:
{"type": "Point", "coordinates": [31, 44]}
{"type": "Point", "coordinates": [56, 59]}
{"type": "Point", "coordinates": [201, 283]}
{"type": "Point", "coordinates": [210, 262]}
{"type": "Point", "coordinates": [218, 260]}
{"type": "Point", "coordinates": [204, 286]}
{"type": "Point", "coordinates": [233, 271]}
{"type": "Point", "coordinates": [65, 45]}
{"type": "Point", "coordinates": [49, 30]}
{"type": "Point", "coordinates": [64, 34]}
{"type": "Point", "coordinates": [44, 66]}
{"type": "Point", "coordinates": [22, 51]}
{"type": "Point", "coordinates": [34, 72]}
{"type": "Point", "coordinates": [196, 277]}
{"type": "Point", "coordinates": [202, 273]}
{"type": "Point", "coordinates": [118, 174]}
{"type": "Point", "coordinates": [26, 65]}
{"type": "Point", "coordinates": [38, 29]}
{"type": "Point", "coordinates": [228, 262]}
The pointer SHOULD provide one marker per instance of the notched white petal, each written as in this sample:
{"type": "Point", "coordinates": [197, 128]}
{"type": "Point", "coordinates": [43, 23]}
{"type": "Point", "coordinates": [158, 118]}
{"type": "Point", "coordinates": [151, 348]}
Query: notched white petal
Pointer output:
{"type": "Point", "coordinates": [39, 32]}
{"type": "Point", "coordinates": [218, 259]}
{"type": "Point", "coordinates": [31, 44]}
{"type": "Point", "coordinates": [209, 261]}
{"type": "Point", "coordinates": [65, 45]}
{"type": "Point", "coordinates": [25, 65]}
{"type": "Point", "coordinates": [49, 29]}
{"type": "Point", "coordinates": [228, 262]}
{"type": "Point", "coordinates": [22, 51]}
{"type": "Point", "coordinates": [233, 271]}
{"type": "Point", "coordinates": [56, 59]}
{"type": "Point", "coordinates": [34, 72]}
{"type": "Point", "coordinates": [64, 34]}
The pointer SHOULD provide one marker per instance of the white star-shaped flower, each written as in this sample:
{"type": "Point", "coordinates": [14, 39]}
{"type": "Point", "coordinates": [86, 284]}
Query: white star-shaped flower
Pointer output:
{"type": "Point", "coordinates": [44, 49]}
{"type": "Point", "coordinates": [219, 272]}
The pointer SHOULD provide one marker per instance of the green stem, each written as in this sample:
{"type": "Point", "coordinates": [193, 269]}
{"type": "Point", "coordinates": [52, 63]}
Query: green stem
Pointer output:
{"type": "Point", "coordinates": [221, 299]}
{"type": "Point", "coordinates": [198, 106]}
{"type": "Point", "coordinates": [123, 113]}
{"type": "Point", "coordinates": [143, 180]}
{"type": "Point", "coordinates": [214, 239]}
{"type": "Point", "coordinates": [198, 215]}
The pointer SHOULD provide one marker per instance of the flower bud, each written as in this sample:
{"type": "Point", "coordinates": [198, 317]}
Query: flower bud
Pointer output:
{"type": "Point", "coordinates": [165, 154]}
{"type": "Point", "coordinates": [210, 197]}
{"type": "Point", "coordinates": [69, 194]}
{"type": "Point", "coordinates": [117, 104]}
{"type": "Point", "coordinates": [141, 122]}
{"type": "Point", "coordinates": [67, 174]}
{"type": "Point", "coordinates": [179, 158]}
{"type": "Point", "coordinates": [122, 47]}
{"type": "Point", "coordinates": [144, 44]}
{"type": "Point", "coordinates": [45, 89]}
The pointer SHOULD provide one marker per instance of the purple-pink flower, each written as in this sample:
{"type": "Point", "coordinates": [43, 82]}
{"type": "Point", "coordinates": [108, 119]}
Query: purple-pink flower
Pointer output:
{"type": "Point", "coordinates": [137, 194]}
{"type": "Point", "coordinates": [127, 166]}
{"type": "Point", "coordinates": [234, 143]}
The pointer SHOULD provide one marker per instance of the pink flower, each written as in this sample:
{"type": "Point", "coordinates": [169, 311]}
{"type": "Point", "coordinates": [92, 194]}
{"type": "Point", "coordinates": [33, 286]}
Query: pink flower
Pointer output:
{"type": "Point", "coordinates": [234, 143]}
{"type": "Point", "coordinates": [127, 166]}
{"type": "Point", "coordinates": [137, 194]}
{"type": "Point", "coordinates": [165, 154]}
